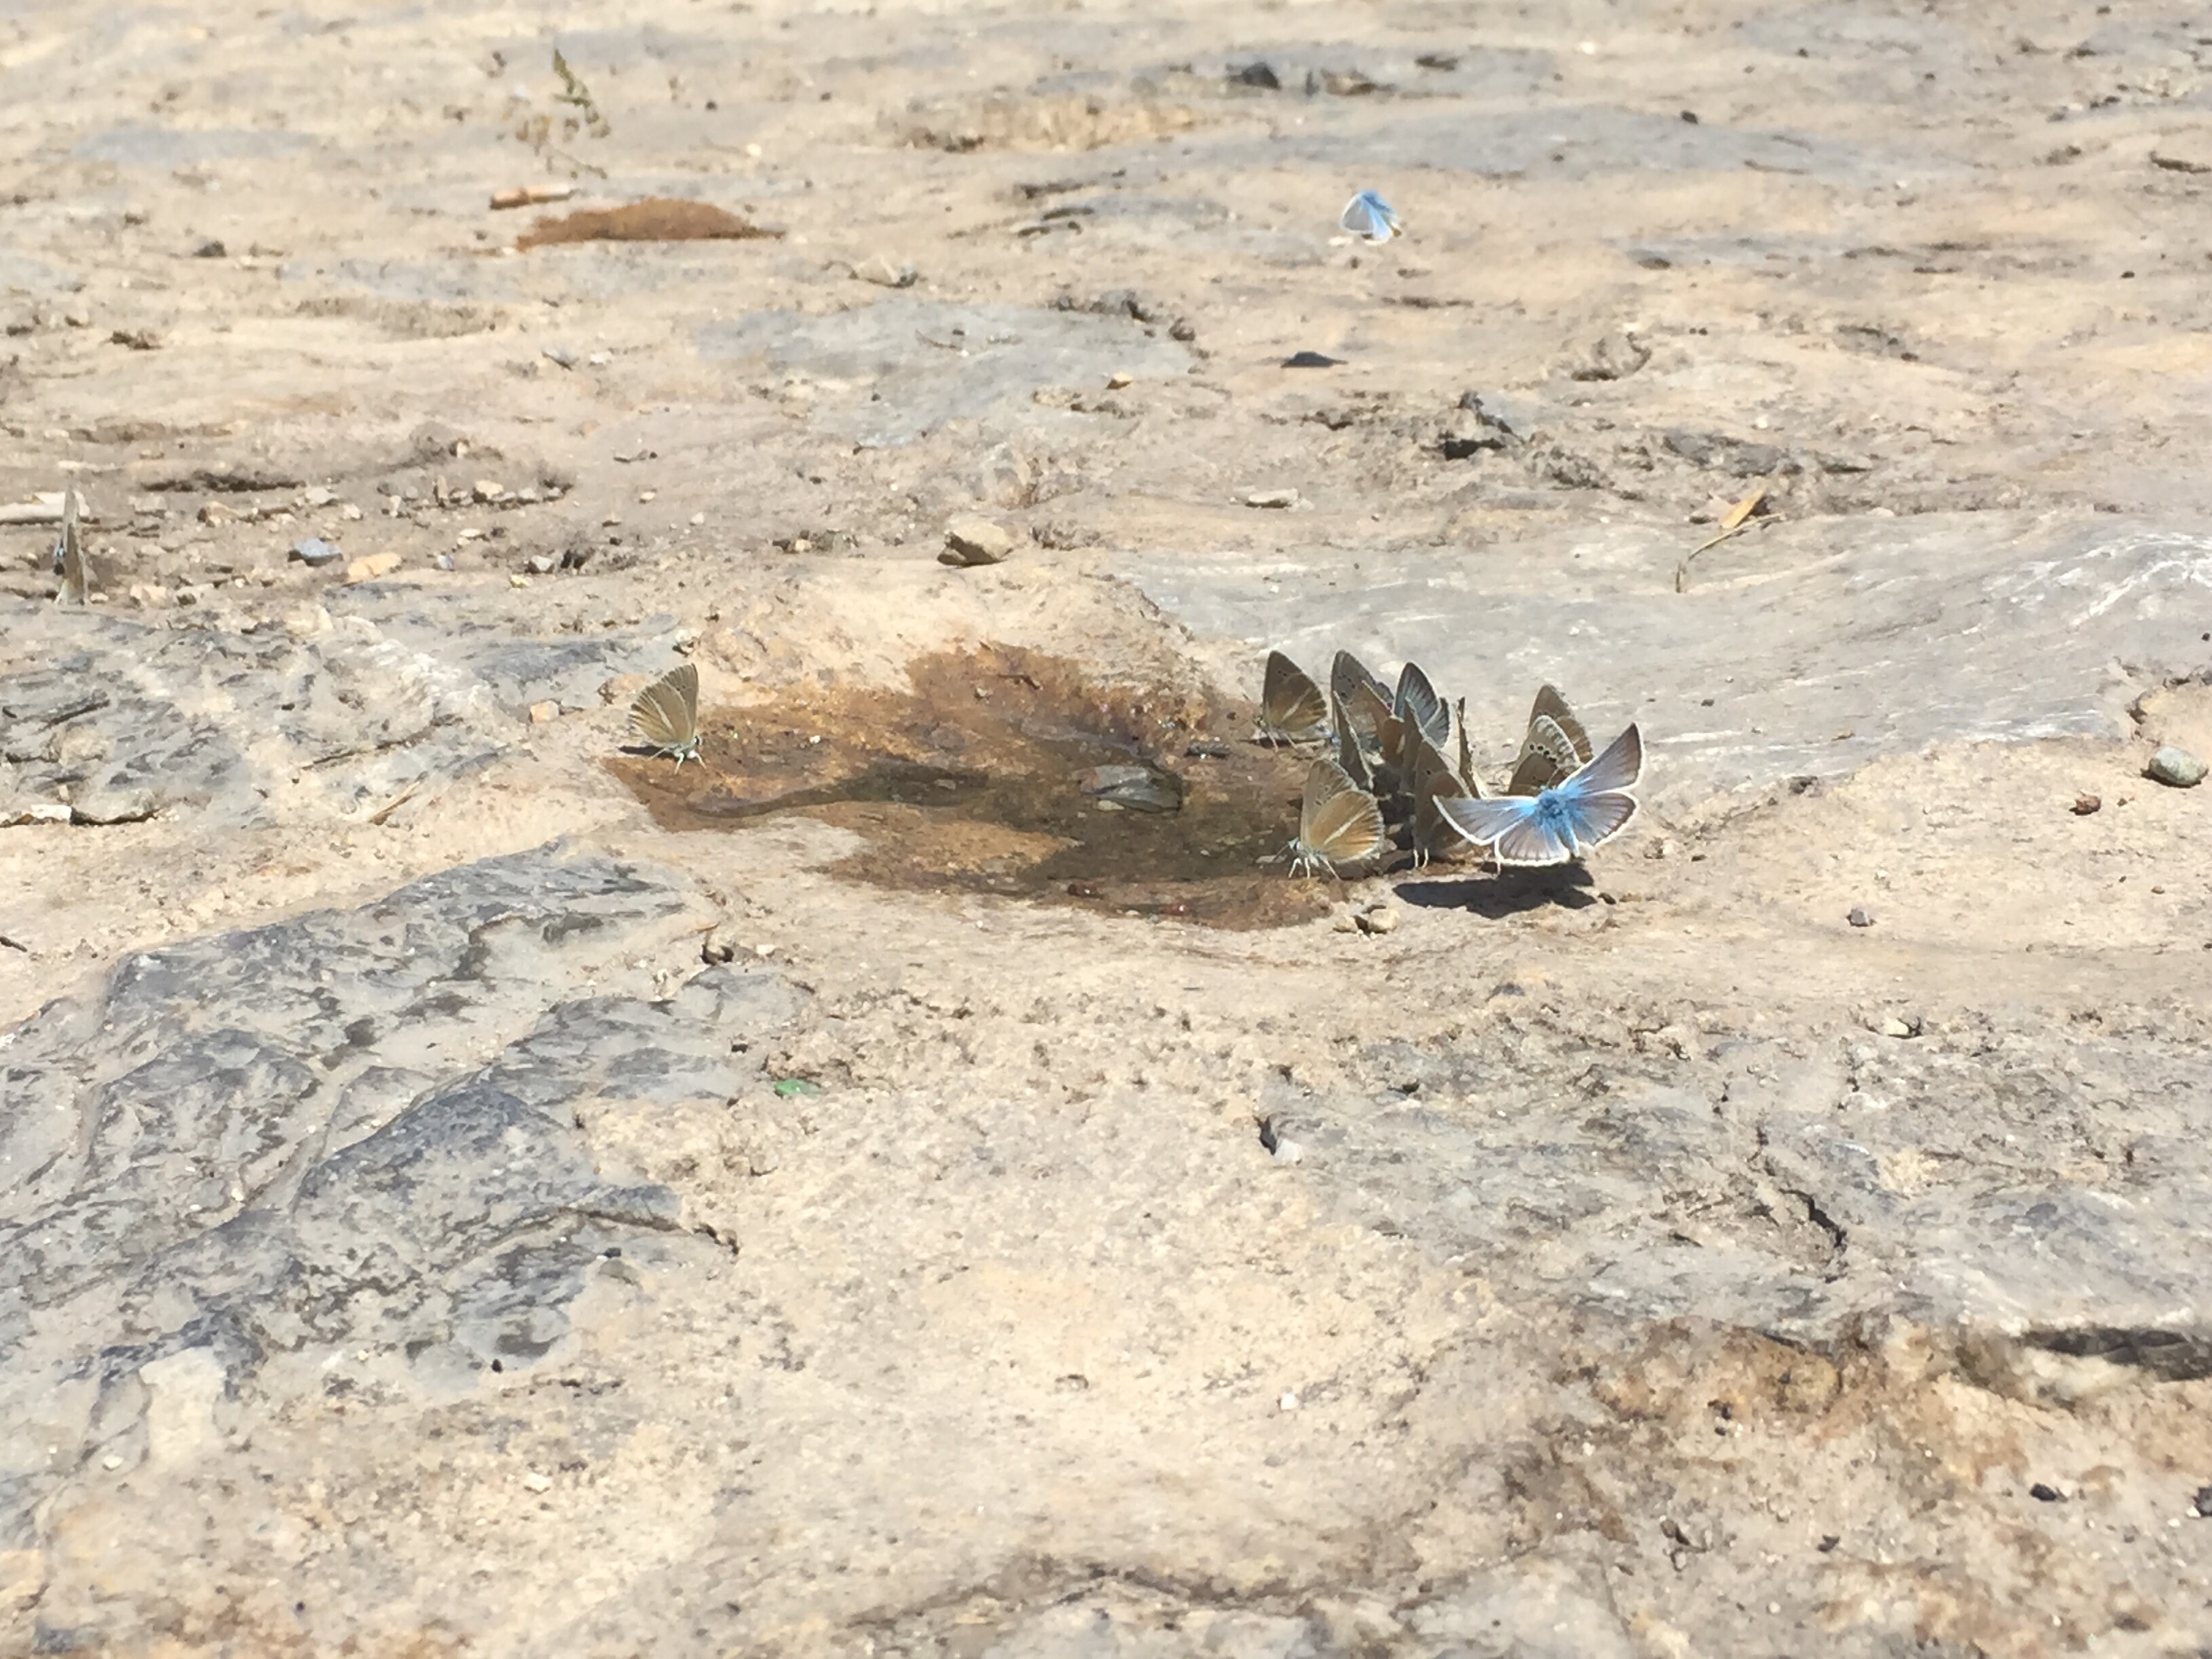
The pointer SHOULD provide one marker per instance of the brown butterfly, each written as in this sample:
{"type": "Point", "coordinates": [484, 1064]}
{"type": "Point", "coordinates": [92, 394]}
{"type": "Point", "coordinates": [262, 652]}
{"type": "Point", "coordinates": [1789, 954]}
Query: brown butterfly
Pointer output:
{"type": "Point", "coordinates": [1339, 823]}
{"type": "Point", "coordinates": [667, 714]}
{"type": "Point", "coordinates": [1292, 707]}
{"type": "Point", "coordinates": [1555, 746]}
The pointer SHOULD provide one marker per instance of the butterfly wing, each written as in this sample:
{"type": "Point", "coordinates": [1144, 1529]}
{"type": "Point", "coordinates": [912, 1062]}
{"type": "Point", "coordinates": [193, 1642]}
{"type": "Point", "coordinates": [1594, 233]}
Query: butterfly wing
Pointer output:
{"type": "Point", "coordinates": [1550, 703]}
{"type": "Point", "coordinates": [1348, 673]}
{"type": "Point", "coordinates": [1619, 768]}
{"type": "Point", "coordinates": [71, 550]}
{"type": "Point", "coordinates": [1417, 700]}
{"type": "Point", "coordinates": [1466, 772]}
{"type": "Point", "coordinates": [1547, 756]}
{"type": "Point", "coordinates": [1593, 820]}
{"type": "Point", "coordinates": [1292, 707]}
{"type": "Point", "coordinates": [1349, 755]}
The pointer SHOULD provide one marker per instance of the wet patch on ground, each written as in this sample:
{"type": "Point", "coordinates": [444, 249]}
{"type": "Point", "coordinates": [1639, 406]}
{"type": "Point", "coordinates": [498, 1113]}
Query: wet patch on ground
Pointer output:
{"type": "Point", "coordinates": [1008, 771]}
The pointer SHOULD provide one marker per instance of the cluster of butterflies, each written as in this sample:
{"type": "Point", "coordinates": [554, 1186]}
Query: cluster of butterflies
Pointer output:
{"type": "Point", "coordinates": [1390, 787]}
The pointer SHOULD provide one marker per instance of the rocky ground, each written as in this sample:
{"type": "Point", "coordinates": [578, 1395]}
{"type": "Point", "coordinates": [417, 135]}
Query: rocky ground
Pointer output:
{"type": "Point", "coordinates": [464, 1188]}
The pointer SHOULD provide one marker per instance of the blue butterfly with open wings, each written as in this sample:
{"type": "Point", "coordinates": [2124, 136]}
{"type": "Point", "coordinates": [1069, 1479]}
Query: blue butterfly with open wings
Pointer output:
{"type": "Point", "coordinates": [1561, 821]}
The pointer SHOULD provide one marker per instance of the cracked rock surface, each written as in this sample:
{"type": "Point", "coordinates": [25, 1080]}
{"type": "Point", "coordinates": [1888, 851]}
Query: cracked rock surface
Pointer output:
{"type": "Point", "coordinates": [447, 1207]}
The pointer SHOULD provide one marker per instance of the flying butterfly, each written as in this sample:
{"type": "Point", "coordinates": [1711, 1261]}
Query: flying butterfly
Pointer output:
{"type": "Point", "coordinates": [667, 714]}
{"type": "Point", "coordinates": [1368, 215]}
{"type": "Point", "coordinates": [1555, 745]}
{"type": "Point", "coordinates": [1417, 699]}
{"type": "Point", "coordinates": [1561, 821]}
{"type": "Point", "coordinates": [1339, 823]}
{"type": "Point", "coordinates": [1292, 707]}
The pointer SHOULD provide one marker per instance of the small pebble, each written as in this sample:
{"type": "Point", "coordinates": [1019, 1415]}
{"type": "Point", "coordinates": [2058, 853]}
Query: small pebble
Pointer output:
{"type": "Point", "coordinates": [1116, 381]}
{"type": "Point", "coordinates": [1895, 1027]}
{"type": "Point", "coordinates": [1289, 1402]}
{"type": "Point", "coordinates": [1288, 1151]}
{"type": "Point", "coordinates": [539, 564]}
{"type": "Point", "coordinates": [2043, 1493]}
{"type": "Point", "coordinates": [1378, 918]}
{"type": "Point", "coordinates": [536, 1482]}
{"type": "Point", "coordinates": [1859, 916]}
{"type": "Point", "coordinates": [2203, 1502]}
{"type": "Point", "coordinates": [1273, 498]}
{"type": "Point", "coordinates": [368, 569]}
{"type": "Point", "coordinates": [545, 714]}
{"type": "Point", "coordinates": [110, 1461]}
{"type": "Point", "coordinates": [976, 541]}
{"type": "Point", "coordinates": [2086, 803]}
{"type": "Point", "coordinates": [314, 553]}
{"type": "Point", "coordinates": [2175, 767]}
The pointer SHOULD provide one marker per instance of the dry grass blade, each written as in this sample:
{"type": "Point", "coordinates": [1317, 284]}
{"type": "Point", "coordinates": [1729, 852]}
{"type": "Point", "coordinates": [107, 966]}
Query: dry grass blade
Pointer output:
{"type": "Point", "coordinates": [1731, 521]}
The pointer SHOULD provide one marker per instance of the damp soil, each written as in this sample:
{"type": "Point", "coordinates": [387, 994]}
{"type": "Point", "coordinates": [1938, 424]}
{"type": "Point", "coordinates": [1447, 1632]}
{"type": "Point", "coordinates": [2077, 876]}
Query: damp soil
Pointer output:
{"type": "Point", "coordinates": [984, 778]}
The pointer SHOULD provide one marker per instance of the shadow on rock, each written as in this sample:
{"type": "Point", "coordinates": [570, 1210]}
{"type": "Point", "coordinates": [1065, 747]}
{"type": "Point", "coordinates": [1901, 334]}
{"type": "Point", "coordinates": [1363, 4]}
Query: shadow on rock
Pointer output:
{"type": "Point", "coordinates": [1509, 893]}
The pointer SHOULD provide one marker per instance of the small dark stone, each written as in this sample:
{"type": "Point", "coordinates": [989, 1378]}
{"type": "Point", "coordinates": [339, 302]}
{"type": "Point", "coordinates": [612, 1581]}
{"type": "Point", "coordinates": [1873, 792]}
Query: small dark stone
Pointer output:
{"type": "Point", "coordinates": [1690, 116]}
{"type": "Point", "coordinates": [314, 552]}
{"type": "Point", "coordinates": [1829, 1543]}
{"type": "Point", "coordinates": [2203, 1502]}
{"type": "Point", "coordinates": [2045, 1494]}
{"type": "Point", "coordinates": [1310, 360]}
{"type": "Point", "coordinates": [1859, 916]}
{"type": "Point", "coordinates": [210, 249]}
{"type": "Point", "coordinates": [1261, 75]}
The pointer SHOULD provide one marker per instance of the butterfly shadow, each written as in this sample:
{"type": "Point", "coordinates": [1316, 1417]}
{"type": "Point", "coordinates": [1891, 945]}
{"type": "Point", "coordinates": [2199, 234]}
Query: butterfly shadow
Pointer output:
{"type": "Point", "coordinates": [1511, 892]}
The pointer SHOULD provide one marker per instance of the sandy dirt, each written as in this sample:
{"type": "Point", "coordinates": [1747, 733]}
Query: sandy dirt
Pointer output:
{"type": "Point", "coordinates": [466, 1189]}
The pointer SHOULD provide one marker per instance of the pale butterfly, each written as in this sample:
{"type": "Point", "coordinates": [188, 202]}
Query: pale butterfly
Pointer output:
{"type": "Point", "coordinates": [1561, 821]}
{"type": "Point", "coordinates": [1554, 746]}
{"type": "Point", "coordinates": [1368, 215]}
{"type": "Point", "coordinates": [68, 554]}
{"type": "Point", "coordinates": [1339, 823]}
{"type": "Point", "coordinates": [1417, 700]}
{"type": "Point", "coordinates": [1292, 707]}
{"type": "Point", "coordinates": [667, 714]}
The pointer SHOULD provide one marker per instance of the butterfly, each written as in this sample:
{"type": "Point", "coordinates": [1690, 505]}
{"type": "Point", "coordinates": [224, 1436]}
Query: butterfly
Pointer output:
{"type": "Point", "coordinates": [1561, 821]}
{"type": "Point", "coordinates": [1368, 215]}
{"type": "Point", "coordinates": [1435, 779]}
{"type": "Point", "coordinates": [667, 714]}
{"type": "Point", "coordinates": [1339, 823]}
{"type": "Point", "coordinates": [1378, 737]}
{"type": "Point", "coordinates": [1348, 673]}
{"type": "Point", "coordinates": [1417, 700]}
{"type": "Point", "coordinates": [1466, 775]}
{"type": "Point", "coordinates": [1555, 745]}
{"type": "Point", "coordinates": [1292, 707]}
{"type": "Point", "coordinates": [68, 554]}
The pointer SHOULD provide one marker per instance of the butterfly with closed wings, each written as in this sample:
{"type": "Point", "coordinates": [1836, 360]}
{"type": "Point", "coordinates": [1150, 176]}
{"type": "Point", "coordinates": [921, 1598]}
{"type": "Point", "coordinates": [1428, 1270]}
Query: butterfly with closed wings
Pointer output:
{"type": "Point", "coordinates": [1339, 823]}
{"type": "Point", "coordinates": [667, 715]}
{"type": "Point", "coordinates": [1562, 821]}
{"type": "Point", "coordinates": [1292, 707]}
{"type": "Point", "coordinates": [1369, 215]}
